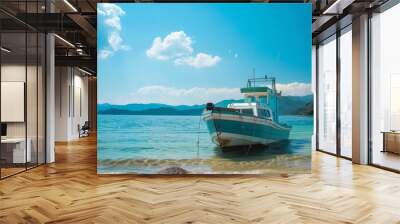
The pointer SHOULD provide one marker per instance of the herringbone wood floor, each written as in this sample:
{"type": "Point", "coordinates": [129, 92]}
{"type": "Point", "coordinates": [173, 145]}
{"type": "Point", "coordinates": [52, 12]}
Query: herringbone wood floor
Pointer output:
{"type": "Point", "coordinates": [69, 191]}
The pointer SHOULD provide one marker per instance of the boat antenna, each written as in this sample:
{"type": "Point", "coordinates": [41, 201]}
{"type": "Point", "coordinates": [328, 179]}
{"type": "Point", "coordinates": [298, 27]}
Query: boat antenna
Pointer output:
{"type": "Point", "coordinates": [254, 76]}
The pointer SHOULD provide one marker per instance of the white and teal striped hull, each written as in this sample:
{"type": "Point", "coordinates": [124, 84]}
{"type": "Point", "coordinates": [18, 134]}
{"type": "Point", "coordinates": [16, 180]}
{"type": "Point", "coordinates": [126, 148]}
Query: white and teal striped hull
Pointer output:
{"type": "Point", "coordinates": [232, 130]}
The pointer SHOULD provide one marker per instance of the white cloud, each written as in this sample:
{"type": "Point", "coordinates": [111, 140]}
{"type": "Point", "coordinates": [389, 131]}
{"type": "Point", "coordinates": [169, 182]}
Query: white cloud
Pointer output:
{"type": "Point", "coordinates": [177, 46]}
{"type": "Point", "coordinates": [236, 55]}
{"type": "Point", "coordinates": [174, 45]}
{"type": "Point", "coordinates": [294, 89]}
{"type": "Point", "coordinates": [198, 95]}
{"type": "Point", "coordinates": [109, 9]}
{"type": "Point", "coordinates": [104, 54]}
{"type": "Point", "coordinates": [201, 60]}
{"type": "Point", "coordinates": [183, 96]}
{"type": "Point", "coordinates": [114, 22]}
{"type": "Point", "coordinates": [112, 14]}
{"type": "Point", "coordinates": [116, 42]}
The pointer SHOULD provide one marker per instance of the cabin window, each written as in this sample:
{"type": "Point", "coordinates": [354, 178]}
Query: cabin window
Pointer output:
{"type": "Point", "coordinates": [264, 113]}
{"type": "Point", "coordinates": [250, 99]}
{"type": "Point", "coordinates": [263, 100]}
{"type": "Point", "coordinates": [247, 111]}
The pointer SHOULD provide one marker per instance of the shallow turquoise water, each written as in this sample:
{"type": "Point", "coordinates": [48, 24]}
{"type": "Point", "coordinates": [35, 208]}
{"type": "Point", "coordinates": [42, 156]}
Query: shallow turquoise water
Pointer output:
{"type": "Point", "coordinates": [147, 144]}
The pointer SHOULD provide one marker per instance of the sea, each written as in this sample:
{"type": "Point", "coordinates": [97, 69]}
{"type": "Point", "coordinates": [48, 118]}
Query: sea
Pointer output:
{"type": "Point", "coordinates": [146, 144]}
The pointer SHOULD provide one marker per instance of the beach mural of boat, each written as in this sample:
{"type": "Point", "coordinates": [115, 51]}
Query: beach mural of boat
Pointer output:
{"type": "Point", "coordinates": [176, 94]}
{"type": "Point", "coordinates": [250, 123]}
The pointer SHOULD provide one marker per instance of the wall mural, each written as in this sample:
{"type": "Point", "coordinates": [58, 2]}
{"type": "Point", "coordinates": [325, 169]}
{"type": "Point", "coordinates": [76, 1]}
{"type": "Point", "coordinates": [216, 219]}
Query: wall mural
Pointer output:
{"type": "Point", "coordinates": [204, 88]}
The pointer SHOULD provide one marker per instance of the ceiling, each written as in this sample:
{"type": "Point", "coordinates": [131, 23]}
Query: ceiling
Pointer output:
{"type": "Point", "coordinates": [332, 15]}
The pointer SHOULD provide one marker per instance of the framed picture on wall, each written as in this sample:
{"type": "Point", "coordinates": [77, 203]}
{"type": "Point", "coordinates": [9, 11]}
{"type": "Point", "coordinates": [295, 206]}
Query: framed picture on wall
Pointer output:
{"type": "Point", "coordinates": [204, 88]}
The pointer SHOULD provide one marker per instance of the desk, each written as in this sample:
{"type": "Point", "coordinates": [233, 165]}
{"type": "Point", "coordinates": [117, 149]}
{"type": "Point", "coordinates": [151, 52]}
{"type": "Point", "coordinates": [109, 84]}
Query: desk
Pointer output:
{"type": "Point", "coordinates": [391, 141]}
{"type": "Point", "coordinates": [16, 147]}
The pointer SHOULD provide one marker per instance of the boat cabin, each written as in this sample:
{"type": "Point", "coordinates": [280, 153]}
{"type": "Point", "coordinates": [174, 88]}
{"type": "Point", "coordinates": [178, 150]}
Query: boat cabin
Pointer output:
{"type": "Point", "coordinates": [253, 109]}
{"type": "Point", "coordinates": [262, 93]}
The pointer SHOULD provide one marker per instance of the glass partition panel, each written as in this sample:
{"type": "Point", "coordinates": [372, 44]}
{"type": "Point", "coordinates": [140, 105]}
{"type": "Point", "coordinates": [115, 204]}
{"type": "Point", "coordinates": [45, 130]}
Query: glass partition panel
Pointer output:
{"type": "Point", "coordinates": [327, 95]}
{"type": "Point", "coordinates": [14, 153]}
{"type": "Point", "coordinates": [31, 98]}
{"type": "Point", "coordinates": [22, 67]}
{"type": "Point", "coordinates": [41, 98]}
{"type": "Point", "coordinates": [346, 93]}
{"type": "Point", "coordinates": [385, 89]}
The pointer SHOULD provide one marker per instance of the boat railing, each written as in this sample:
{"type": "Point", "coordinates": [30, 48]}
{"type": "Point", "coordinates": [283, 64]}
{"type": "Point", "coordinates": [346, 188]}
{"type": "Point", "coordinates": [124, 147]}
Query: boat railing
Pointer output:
{"type": "Point", "coordinates": [262, 82]}
{"type": "Point", "coordinates": [226, 109]}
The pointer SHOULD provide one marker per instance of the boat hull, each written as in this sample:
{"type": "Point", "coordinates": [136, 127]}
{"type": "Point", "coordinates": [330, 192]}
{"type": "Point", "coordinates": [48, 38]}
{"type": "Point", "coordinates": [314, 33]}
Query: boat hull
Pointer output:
{"type": "Point", "coordinates": [228, 129]}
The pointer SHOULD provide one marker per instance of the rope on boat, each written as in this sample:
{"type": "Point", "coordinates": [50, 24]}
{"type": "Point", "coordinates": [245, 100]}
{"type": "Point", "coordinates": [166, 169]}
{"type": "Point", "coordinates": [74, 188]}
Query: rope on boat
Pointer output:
{"type": "Point", "coordinates": [198, 138]}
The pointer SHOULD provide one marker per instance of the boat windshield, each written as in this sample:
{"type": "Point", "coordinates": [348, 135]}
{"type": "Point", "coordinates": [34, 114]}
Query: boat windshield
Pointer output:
{"type": "Point", "coordinates": [264, 113]}
{"type": "Point", "coordinates": [263, 100]}
{"type": "Point", "coordinates": [250, 99]}
{"type": "Point", "coordinates": [247, 111]}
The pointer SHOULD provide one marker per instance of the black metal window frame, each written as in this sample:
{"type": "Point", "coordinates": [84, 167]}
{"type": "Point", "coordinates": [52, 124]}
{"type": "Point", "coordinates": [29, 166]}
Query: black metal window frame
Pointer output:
{"type": "Point", "coordinates": [44, 101]}
{"type": "Point", "coordinates": [339, 32]}
{"type": "Point", "coordinates": [389, 4]}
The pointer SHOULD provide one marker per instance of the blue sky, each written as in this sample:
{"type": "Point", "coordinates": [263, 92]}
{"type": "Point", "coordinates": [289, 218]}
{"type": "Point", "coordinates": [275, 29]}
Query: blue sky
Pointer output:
{"type": "Point", "coordinates": [195, 53]}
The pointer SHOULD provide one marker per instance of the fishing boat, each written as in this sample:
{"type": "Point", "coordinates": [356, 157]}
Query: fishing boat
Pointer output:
{"type": "Point", "coordinates": [255, 121]}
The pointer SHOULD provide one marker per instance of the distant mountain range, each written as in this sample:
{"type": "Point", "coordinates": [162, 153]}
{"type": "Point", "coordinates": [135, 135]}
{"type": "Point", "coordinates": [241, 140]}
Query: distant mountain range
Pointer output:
{"type": "Point", "coordinates": [288, 105]}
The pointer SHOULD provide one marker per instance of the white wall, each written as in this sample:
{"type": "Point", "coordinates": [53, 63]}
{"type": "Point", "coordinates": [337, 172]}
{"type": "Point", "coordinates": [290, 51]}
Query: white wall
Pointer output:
{"type": "Point", "coordinates": [80, 104]}
{"type": "Point", "coordinates": [17, 73]}
{"type": "Point", "coordinates": [14, 72]}
{"type": "Point", "coordinates": [62, 82]}
{"type": "Point", "coordinates": [33, 126]}
{"type": "Point", "coordinates": [71, 94]}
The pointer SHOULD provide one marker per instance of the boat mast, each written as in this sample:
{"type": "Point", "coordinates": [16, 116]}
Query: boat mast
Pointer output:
{"type": "Point", "coordinates": [254, 77]}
